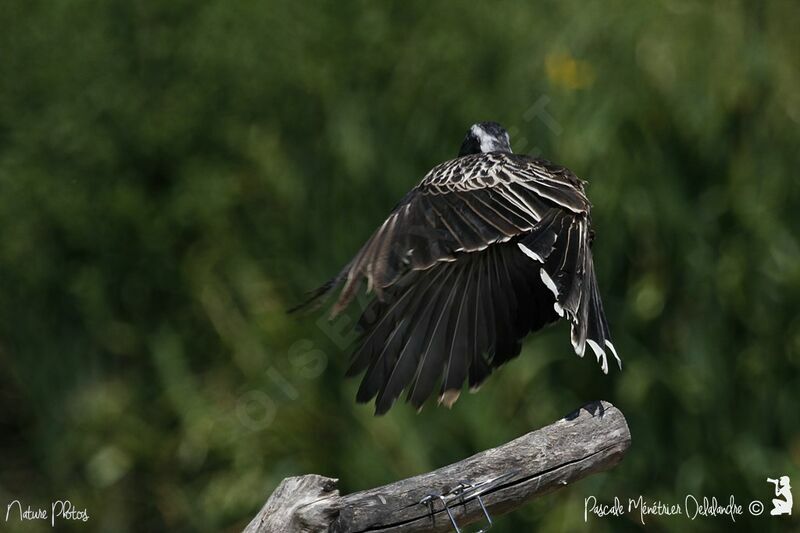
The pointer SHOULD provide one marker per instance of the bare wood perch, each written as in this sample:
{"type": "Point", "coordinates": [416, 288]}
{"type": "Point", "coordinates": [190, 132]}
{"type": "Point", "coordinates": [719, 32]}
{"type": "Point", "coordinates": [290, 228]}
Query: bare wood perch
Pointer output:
{"type": "Point", "coordinates": [592, 439]}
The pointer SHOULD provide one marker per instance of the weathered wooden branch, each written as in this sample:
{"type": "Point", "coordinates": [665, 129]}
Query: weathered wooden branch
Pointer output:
{"type": "Point", "coordinates": [592, 439]}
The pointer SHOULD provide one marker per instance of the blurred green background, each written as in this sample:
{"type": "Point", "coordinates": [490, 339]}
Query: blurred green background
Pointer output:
{"type": "Point", "coordinates": [174, 175]}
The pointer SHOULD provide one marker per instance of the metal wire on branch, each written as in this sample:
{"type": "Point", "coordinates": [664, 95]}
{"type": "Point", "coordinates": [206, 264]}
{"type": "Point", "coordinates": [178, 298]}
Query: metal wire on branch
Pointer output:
{"type": "Point", "coordinates": [592, 439]}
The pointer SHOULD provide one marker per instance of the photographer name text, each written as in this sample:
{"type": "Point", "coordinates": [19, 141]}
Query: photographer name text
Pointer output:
{"type": "Point", "coordinates": [692, 508]}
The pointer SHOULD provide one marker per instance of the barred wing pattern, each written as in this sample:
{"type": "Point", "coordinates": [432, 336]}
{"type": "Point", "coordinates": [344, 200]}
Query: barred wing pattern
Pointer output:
{"type": "Point", "coordinates": [487, 248]}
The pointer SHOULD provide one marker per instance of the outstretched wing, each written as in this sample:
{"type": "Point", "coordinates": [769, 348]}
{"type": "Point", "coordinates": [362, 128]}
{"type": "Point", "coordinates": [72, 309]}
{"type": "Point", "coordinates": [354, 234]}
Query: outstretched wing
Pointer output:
{"type": "Point", "coordinates": [561, 243]}
{"type": "Point", "coordinates": [461, 206]}
{"type": "Point", "coordinates": [485, 249]}
{"type": "Point", "coordinates": [454, 322]}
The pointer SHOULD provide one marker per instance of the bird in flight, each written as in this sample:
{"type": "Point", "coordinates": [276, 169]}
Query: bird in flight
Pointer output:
{"type": "Point", "coordinates": [488, 247]}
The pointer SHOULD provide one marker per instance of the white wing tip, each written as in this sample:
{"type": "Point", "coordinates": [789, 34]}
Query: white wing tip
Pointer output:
{"type": "Point", "coordinates": [578, 351]}
{"type": "Point", "coordinates": [575, 339]}
{"type": "Point", "coordinates": [614, 353]}
{"type": "Point", "coordinates": [530, 253]}
{"type": "Point", "coordinates": [548, 281]}
{"type": "Point", "coordinates": [449, 397]}
{"type": "Point", "coordinates": [600, 353]}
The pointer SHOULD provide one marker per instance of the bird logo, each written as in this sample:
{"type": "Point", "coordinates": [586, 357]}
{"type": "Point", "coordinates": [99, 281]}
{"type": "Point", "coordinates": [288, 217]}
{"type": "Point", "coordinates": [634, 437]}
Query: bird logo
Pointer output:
{"type": "Point", "coordinates": [487, 248]}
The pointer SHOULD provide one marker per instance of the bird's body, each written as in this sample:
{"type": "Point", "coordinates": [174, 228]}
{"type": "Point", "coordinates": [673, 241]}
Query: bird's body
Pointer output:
{"type": "Point", "coordinates": [488, 247]}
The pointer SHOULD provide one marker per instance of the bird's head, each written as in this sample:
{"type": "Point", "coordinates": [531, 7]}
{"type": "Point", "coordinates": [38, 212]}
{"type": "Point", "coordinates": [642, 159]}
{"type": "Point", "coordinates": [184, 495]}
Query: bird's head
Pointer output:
{"type": "Point", "coordinates": [485, 137]}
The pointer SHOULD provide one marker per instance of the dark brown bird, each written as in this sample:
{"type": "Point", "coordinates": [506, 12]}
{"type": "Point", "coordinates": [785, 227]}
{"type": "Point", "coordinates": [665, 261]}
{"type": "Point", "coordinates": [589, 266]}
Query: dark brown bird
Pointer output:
{"type": "Point", "coordinates": [487, 248]}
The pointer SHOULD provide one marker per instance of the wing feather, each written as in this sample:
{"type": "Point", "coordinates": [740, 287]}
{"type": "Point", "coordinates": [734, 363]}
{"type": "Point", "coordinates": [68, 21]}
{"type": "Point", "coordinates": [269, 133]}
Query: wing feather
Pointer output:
{"type": "Point", "coordinates": [484, 250]}
{"type": "Point", "coordinates": [463, 205]}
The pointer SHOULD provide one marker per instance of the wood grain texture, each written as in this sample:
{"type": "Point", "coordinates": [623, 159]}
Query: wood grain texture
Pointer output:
{"type": "Point", "coordinates": [299, 504]}
{"type": "Point", "coordinates": [592, 439]}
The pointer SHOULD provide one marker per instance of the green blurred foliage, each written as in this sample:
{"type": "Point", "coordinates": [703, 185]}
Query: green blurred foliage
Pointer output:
{"type": "Point", "coordinates": [173, 176]}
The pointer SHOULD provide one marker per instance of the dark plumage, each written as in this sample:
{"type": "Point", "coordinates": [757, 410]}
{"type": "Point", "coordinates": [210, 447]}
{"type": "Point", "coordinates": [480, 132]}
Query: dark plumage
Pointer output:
{"type": "Point", "coordinates": [487, 248]}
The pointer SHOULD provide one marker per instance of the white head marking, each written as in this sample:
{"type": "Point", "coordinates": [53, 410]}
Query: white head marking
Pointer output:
{"type": "Point", "coordinates": [488, 143]}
